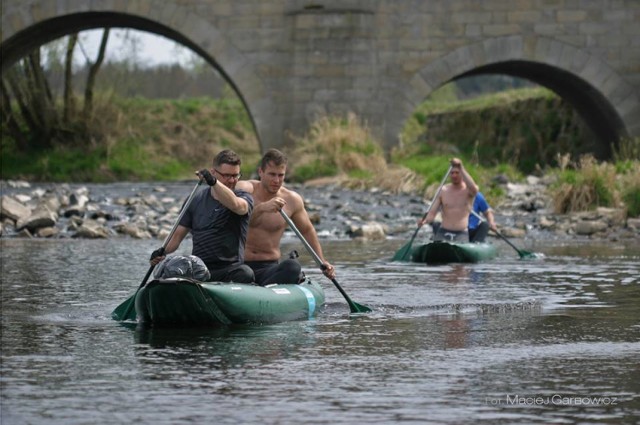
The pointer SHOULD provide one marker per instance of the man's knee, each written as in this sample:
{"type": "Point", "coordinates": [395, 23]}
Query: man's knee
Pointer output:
{"type": "Point", "coordinates": [242, 274]}
{"type": "Point", "coordinates": [291, 267]}
{"type": "Point", "coordinates": [480, 233]}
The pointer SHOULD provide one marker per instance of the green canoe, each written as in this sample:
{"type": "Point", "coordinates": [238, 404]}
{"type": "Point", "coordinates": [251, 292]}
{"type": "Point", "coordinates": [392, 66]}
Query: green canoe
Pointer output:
{"type": "Point", "coordinates": [178, 301]}
{"type": "Point", "coordinates": [451, 252]}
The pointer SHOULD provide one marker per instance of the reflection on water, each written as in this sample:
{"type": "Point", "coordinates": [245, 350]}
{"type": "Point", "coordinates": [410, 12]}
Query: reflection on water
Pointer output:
{"type": "Point", "coordinates": [506, 341]}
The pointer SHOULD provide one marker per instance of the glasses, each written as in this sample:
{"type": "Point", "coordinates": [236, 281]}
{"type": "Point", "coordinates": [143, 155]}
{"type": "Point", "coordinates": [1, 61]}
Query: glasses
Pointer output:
{"type": "Point", "coordinates": [228, 176]}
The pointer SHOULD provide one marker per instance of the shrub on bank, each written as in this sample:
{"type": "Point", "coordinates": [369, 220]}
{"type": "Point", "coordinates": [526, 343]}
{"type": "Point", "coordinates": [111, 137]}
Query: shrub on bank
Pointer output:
{"type": "Point", "coordinates": [589, 184]}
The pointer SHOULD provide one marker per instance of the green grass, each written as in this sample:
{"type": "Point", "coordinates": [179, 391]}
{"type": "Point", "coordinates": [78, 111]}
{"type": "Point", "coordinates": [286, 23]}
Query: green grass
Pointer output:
{"type": "Point", "coordinates": [313, 170]}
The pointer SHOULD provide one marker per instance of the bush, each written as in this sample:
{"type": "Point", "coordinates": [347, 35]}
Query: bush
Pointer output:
{"type": "Point", "coordinates": [336, 145]}
{"type": "Point", "coordinates": [589, 186]}
{"type": "Point", "coordinates": [630, 183]}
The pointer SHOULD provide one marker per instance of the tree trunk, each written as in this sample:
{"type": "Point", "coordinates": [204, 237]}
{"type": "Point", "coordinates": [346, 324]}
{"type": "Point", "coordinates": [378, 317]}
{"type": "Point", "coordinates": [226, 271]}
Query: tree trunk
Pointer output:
{"type": "Point", "coordinates": [41, 103]}
{"type": "Point", "coordinates": [69, 103]}
{"type": "Point", "coordinates": [9, 118]}
{"type": "Point", "coordinates": [18, 86]}
{"type": "Point", "coordinates": [91, 78]}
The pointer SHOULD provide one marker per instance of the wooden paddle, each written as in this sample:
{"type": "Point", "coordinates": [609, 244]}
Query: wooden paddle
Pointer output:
{"type": "Point", "coordinates": [403, 253]}
{"type": "Point", "coordinates": [353, 306]}
{"type": "Point", "coordinates": [522, 253]}
{"type": "Point", "coordinates": [124, 310]}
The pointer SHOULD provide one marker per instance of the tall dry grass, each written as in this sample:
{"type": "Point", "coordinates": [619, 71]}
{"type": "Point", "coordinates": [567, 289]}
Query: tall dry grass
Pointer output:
{"type": "Point", "coordinates": [344, 148]}
{"type": "Point", "coordinates": [588, 185]}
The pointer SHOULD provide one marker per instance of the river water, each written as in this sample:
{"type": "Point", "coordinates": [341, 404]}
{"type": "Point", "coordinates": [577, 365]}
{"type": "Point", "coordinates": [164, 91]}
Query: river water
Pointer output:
{"type": "Point", "coordinates": [549, 340]}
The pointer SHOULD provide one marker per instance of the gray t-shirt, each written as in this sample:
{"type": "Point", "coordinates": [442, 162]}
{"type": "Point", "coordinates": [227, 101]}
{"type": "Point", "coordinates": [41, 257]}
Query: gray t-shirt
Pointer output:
{"type": "Point", "coordinates": [219, 234]}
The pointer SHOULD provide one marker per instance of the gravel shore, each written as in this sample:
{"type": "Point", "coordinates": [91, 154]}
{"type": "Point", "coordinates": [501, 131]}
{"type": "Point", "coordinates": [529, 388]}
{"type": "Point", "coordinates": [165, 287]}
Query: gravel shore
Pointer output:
{"type": "Point", "coordinates": [148, 210]}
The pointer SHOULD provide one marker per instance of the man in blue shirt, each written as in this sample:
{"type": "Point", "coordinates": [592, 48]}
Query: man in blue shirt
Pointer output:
{"type": "Point", "coordinates": [478, 229]}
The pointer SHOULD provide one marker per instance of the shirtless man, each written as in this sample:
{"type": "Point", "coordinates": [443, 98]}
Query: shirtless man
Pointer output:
{"type": "Point", "coordinates": [266, 227]}
{"type": "Point", "coordinates": [456, 201]}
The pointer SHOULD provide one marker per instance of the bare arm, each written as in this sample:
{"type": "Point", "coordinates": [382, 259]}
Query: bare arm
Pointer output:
{"type": "Point", "coordinates": [173, 244]}
{"type": "Point", "coordinates": [301, 219]}
{"type": "Point", "coordinates": [491, 219]}
{"type": "Point", "coordinates": [472, 187]}
{"type": "Point", "coordinates": [433, 211]}
{"type": "Point", "coordinates": [271, 206]}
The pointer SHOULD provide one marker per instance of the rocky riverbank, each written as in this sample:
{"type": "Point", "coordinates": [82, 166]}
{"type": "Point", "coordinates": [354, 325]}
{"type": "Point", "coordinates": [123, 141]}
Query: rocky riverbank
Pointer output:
{"type": "Point", "coordinates": [149, 210]}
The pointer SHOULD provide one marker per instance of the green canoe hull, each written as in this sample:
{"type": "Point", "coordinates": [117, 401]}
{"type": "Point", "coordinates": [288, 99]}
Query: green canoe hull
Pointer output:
{"type": "Point", "coordinates": [185, 302]}
{"type": "Point", "coordinates": [441, 252]}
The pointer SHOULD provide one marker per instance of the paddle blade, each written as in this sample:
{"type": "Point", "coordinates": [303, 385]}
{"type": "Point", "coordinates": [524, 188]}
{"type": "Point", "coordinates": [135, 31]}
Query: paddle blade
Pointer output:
{"type": "Point", "coordinates": [358, 308]}
{"type": "Point", "coordinates": [354, 307]}
{"type": "Point", "coordinates": [526, 255]}
{"type": "Point", "coordinates": [404, 253]}
{"type": "Point", "coordinates": [125, 311]}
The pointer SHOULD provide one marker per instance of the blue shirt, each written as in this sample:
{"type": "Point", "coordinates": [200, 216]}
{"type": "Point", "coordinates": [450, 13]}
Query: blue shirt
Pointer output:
{"type": "Point", "coordinates": [480, 206]}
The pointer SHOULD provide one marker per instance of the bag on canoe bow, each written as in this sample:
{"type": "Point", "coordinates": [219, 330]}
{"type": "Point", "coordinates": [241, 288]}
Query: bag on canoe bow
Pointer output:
{"type": "Point", "coordinates": [182, 266]}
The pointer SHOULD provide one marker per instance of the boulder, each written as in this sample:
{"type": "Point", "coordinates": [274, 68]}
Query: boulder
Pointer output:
{"type": "Point", "coordinates": [369, 231]}
{"type": "Point", "coordinates": [40, 217]}
{"type": "Point", "coordinates": [513, 232]}
{"type": "Point", "coordinates": [614, 216]}
{"type": "Point", "coordinates": [589, 227]}
{"type": "Point", "coordinates": [13, 209]}
{"type": "Point", "coordinates": [91, 229]}
{"type": "Point", "coordinates": [633, 223]}
{"type": "Point", "coordinates": [132, 230]}
{"type": "Point", "coordinates": [47, 232]}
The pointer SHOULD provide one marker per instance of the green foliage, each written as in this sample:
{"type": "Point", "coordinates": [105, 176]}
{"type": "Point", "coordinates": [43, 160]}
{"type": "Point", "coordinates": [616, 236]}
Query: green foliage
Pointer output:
{"type": "Point", "coordinates": [627, 150]}
{"type": "Point", "coordinates": [360, 174]}
{"type": "Point", "coordinates": [58, 164]}
{"type": "Point", "coordinates": [629, 182]}
{"type": "Point", "coordinates": [432, 168]}
{"type": "Point", "coordinates": [513, 127]}
{"type": "Point", "coordinates": [631, 197]}
{"type": "Point", "coordinates": [313, 170]}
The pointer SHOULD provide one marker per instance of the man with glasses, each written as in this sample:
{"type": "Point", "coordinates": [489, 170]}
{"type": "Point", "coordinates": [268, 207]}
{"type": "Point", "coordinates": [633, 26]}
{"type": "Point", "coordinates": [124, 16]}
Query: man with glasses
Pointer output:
{"type": "Point", "coordinates": [266, 227]}
{"type": "Point", "coordinates": [218, 219]}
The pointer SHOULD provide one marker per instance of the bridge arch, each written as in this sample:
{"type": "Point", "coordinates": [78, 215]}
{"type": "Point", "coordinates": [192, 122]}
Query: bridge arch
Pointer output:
{"type": "Point", "coordinates": [599, 95]}
{"type": "Point", "coordinates": [182, 26]}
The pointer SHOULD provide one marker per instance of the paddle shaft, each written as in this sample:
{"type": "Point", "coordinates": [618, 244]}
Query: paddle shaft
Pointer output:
{"type": "Point", "coordinates": [500, 235]}
{"type": "Point", "coordinates": [353, 306]}
{"type": "Point", "coordinates": [164, 246]}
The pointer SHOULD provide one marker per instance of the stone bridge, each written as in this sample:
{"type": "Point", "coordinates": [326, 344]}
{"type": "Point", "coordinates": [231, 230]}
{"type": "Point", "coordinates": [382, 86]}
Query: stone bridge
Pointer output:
{"type": "Point", "coordinates": [291, 61]}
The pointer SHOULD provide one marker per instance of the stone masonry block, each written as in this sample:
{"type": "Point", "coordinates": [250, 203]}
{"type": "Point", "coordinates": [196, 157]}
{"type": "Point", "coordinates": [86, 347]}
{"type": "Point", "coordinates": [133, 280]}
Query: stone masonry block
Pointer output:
{"type": "Point", "coordinates": [499, 49]}
{"type": "Point", "coordinates": [524, 16]}
{"type": "Point", "coordinates": [571, 16]}
{"type": "Point", "coordinates": [497, 30]}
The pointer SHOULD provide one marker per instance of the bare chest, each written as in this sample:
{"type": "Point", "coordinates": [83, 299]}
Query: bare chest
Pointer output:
{"type": "Point", "coordinates": [455, 199]}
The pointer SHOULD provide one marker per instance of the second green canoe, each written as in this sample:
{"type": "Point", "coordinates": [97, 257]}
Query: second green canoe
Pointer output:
{"type": "Point", "coordinates": [441, 252]}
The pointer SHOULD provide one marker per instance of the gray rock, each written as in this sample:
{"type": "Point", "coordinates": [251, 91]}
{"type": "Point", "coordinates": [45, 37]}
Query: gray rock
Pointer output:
{"type": "Point", "coordinates": [39, 218]}
{"type": "Point", "coordinates": [91, 229]}
{"type": "Point", "coordinates": [13, 209]}
{"type": "Point", "coordinates": [589, 227]}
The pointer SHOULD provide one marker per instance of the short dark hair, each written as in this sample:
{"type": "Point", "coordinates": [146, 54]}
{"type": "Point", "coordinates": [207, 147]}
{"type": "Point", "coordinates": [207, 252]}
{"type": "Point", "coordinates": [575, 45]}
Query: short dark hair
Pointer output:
{"type": "Point", "coordinates": [274, 156]}
{"type": "Point", "coordinates": [227, 156]}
